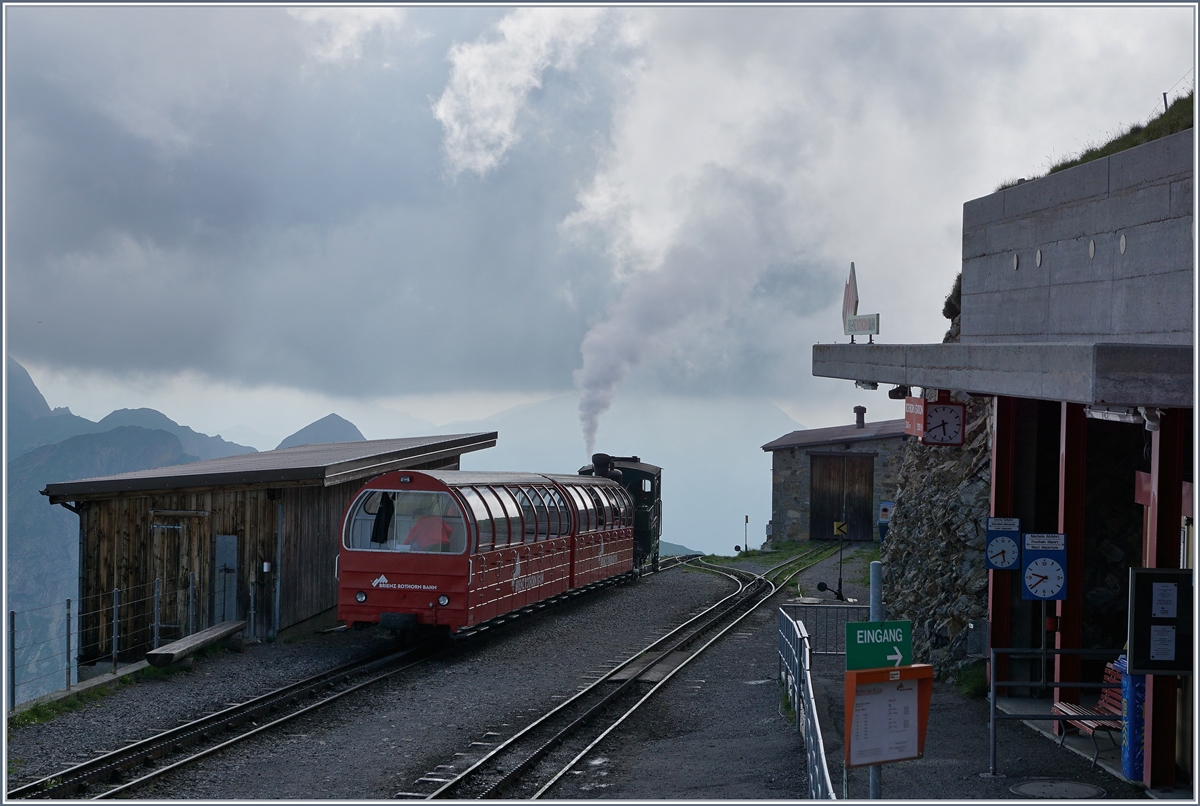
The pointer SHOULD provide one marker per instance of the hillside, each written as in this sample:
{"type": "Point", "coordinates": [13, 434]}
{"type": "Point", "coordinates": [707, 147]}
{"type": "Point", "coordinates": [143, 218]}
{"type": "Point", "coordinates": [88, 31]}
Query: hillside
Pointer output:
{"type": "Point", "coordinates": [330, 428]}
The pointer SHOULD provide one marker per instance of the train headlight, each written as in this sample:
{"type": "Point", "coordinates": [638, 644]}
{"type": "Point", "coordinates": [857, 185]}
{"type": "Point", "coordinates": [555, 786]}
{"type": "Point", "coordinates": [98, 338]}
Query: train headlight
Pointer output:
{"type": "Point", "coordinates": [443, 600]}
{"type": "Point", "coordinates": [360, 597]}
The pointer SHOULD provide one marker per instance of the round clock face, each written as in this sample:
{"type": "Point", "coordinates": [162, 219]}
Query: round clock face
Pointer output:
{"type": "Point", "coordinates": [943, 423]}
{"type": "Point", "coordinates": [1044, 577]}
{"type": "Point", "coordinates": [1002, 552]}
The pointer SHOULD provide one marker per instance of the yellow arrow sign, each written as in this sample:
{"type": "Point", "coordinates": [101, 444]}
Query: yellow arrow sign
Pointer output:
{"type": "Point", "coordinates": [839, 527]}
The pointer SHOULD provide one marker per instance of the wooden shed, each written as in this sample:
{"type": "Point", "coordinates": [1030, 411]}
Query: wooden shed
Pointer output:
{"type": "Point", "coordinates": [253, 537]}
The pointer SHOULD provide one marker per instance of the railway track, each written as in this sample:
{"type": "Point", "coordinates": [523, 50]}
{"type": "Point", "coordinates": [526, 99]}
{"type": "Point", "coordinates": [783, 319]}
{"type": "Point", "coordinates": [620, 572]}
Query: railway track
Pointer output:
{"type": "Point", "coordinates": [534, 759]}
{"type": "Point", "coordinates": [117, 773]}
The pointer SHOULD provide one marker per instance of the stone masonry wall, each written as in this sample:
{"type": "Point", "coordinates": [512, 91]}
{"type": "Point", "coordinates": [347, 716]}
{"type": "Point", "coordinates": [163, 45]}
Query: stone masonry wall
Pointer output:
{"type": "Point", "coordinates": [791, 485]}
{"type": "Point", "coordinates": [934, 573]}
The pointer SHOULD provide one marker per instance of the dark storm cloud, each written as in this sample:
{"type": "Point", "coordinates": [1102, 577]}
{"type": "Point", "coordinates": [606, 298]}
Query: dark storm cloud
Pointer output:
{"type": "Point", "coordinates": [278, 219]}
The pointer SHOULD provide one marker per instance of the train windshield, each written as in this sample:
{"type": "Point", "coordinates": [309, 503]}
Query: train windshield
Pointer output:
{"type": "Point", "coordinates": [406, 520]}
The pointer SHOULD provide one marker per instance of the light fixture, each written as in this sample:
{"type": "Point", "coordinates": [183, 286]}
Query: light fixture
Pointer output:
{"type": "Point", "coordinates": [1115, 414]}
{"type": "Point", "coordinates": [866, 384]}
{"type": "Point", "coordinates": [360, 597]}
{"type": "Point", "coordinates": [443, 600]}
{"type": "Point", "coordinates": [1152, 416]}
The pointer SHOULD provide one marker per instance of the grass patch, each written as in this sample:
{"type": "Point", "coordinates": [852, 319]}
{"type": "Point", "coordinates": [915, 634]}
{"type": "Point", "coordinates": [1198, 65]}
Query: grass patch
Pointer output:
{"type": "Point", "coordinates": [972, 681]}
{"type": "Point", "coordinates": [1176, 118]}
{"type": "Point", "coordinates": [46, 711]}
{"type": "Point", "coordinates": [158, 673]}
{"type": "Point", "coordinates": [868, 554]}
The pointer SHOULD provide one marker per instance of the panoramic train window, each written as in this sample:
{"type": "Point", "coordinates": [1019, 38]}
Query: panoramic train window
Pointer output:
{"type": "Point", "coordinates": [483, 519]}
{"type": "Point", "coordinates": [499, 517]}
{"type": "Point", "coordinates": [585, 509]}
{"type": "Point", "coordinates": [406, 520]}
{"type": "Point", "coordinates": [560, 523]}
{"type": "Point", "coordinates": [603, 509]}
{"type": "Point", "coordinates": [523, 500]}
{"type": "Point", "coordinates": [617, 504]}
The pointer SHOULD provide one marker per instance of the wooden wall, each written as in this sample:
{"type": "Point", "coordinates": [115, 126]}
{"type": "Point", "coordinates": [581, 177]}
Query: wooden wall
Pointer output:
{"type": "Point", "coordinates": [129, 541]}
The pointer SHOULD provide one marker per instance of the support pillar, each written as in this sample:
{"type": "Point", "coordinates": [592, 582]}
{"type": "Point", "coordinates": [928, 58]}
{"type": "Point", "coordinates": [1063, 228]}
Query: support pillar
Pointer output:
{"type": "Point", "coordinates": [1072, 478]}
{"type": "Point", "coordinates": [1168, 454]}
{"type": "Point", "coordinates": [1004, 451]}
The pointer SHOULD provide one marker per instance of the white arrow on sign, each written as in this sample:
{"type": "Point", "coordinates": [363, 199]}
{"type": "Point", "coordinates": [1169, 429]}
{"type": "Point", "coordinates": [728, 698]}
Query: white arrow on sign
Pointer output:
{"type": "Point", "coordinates": [897, 657]}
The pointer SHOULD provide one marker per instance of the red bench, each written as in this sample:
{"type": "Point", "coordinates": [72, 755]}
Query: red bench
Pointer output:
{"type": "Point", "coordinates": [1106, 716]}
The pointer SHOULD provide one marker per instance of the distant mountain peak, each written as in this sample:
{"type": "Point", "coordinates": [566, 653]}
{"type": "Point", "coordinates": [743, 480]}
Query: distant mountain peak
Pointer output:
{"type": "Point", "coordinates": [22, 393]}
{"type": "Point", "coordinates": [330, 428]}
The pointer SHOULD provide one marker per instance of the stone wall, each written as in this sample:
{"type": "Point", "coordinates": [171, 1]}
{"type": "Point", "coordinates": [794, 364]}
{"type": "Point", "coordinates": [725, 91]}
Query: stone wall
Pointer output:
{"type": "Point", "coordinates": [934, 573]}
{"type": "Point", "coordinates": [791, 482]}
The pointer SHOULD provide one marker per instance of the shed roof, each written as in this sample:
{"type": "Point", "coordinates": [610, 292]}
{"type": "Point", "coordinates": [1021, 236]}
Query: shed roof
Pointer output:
{"type": "Point", "coordinates": [883, 429]}
{"type": "Point", "coordinates": [325, 464]}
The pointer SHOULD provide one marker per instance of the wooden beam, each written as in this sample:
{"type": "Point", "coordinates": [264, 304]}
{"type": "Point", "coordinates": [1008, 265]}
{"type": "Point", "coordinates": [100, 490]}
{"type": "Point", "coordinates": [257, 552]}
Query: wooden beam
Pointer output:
{"type": "Point", "coordinates": [1169, 448]}
{"type": "Point", "coordinates": [1004, 452]}
{"type": "Point", "coordinates": [1072, 493]}
{"type": "Point", "coordinates": [177, 650]}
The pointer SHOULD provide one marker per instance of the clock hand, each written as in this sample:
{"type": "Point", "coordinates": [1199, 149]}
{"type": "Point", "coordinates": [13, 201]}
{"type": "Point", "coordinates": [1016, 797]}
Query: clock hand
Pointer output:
{"type": "Point", "coordinates": [1041, 579]}
{"type": "Point", "coordinates": [1003, 552]}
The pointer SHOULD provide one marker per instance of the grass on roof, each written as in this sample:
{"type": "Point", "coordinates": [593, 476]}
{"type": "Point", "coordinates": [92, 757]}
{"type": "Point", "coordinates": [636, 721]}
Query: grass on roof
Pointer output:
{"type": "Point", "coordinates": [1176, 118]}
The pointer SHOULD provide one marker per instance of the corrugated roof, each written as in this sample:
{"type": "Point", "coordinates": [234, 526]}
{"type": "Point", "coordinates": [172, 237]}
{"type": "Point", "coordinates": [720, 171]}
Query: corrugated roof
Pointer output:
{"type": "Point", "coordinates": [327, 464]}
{"type": "Point", "coordinates": [837, 433]}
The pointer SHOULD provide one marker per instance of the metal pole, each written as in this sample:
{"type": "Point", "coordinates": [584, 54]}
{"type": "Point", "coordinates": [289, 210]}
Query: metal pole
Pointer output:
{"type": "Point", "coordinates": [157, 600]}
{"type": "Point", "coordinates": [68, 645]}
{"type": "Point", "coordinates": [115, 625]}
{"type": "Point", "coordinates": [278, 567]}
{"type": "Point", "coordinates": [253, 585]}
{"type": "Point", "coordinates": [191, 601]}
{"type": "Point", "coordinates": [992, 712]}
{"type": "Point", "coordinates": [12, 660]}
{"type": "Point", "coordinates": [875, 771]}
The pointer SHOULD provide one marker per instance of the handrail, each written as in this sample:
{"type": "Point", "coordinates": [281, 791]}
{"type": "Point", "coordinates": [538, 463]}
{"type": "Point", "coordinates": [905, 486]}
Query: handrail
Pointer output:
{"type": "Point", "coordinates": [795, 659]}
{"type": "Point", "coordinates": [1035, 652]}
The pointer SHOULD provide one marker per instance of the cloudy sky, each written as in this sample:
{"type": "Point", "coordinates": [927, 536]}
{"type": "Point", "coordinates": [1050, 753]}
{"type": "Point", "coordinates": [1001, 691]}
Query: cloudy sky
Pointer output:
{"type": "Point", "coordinates": [248, 217]}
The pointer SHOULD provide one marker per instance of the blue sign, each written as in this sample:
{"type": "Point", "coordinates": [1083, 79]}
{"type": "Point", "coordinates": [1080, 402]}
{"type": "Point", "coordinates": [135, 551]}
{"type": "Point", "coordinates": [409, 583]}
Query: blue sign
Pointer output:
{"type": "Point", "coordinates": [1002, 552]}
{"type": "Point", "coordinates": [1044, 566]}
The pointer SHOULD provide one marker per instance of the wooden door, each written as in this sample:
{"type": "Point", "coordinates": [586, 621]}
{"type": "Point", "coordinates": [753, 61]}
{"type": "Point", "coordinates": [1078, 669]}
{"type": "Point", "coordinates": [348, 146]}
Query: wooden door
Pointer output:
{"type": "Point", "coordinates": [842, 487]}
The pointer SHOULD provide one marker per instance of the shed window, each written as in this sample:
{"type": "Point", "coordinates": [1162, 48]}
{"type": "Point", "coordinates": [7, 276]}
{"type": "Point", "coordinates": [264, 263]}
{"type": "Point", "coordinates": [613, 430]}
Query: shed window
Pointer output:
{"type": "Point", "coordinates": [406, 520]}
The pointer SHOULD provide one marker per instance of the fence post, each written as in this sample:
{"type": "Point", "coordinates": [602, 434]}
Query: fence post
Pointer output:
{"type": "Point", "coordinates": [115, 627]}
{"type": "Point", "coordinates": [157, 593]}
{"type": "Point", "coordinates": [68, 645]}
{"type": "Point", "coordinates": [191, 601]}
{"type": "Point", "coordinates": [12, 660]}
{"type": "Point", "coordinates": [253, 585]}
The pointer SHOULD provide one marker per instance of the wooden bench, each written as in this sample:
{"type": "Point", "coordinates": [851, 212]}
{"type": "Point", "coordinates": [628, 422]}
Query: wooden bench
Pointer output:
{"type": "Point", "coordinates": [177, 650]}
{"type": "Point", "coordinates": [1106, 716]}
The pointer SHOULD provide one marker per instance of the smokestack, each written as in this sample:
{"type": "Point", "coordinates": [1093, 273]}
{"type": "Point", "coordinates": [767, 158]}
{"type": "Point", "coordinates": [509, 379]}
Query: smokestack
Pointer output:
{"type": "Point", "coordinates": [860, 414]}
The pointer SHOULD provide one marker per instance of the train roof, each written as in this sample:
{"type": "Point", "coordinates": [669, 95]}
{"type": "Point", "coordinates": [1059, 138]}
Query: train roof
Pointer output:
{"type": "Point", "coordinates": [324, 464]}
{"type": "Point", "coordinates": [495, 477]}
{"type": "Point", "coordinates": [643, 467]}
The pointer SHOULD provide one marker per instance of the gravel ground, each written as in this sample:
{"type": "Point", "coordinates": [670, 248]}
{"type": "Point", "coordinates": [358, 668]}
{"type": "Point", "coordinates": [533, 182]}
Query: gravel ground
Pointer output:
{"type": "Point", "coordinates": [376, 742]}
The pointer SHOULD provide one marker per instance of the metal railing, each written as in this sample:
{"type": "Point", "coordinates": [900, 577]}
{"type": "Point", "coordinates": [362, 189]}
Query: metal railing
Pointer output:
{"type": "Point", "coordinates": [795, 664]}
{"type": "Point", "coordinates": [45, 644]}
{"type": "Point", "coordinates": [826, 624]}
{"type": "Point", "coordinates": [1042, 683]}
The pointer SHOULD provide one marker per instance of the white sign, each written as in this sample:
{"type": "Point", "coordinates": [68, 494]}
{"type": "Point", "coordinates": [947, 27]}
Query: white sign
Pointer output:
{"type": "Point", "coordinates": [1163, 600]}
{"type": "Point", "coordinates": [1162, 642]}
{"type": "Point", "coordinates": [1034, 542]}
{"type": "Point", "coordinates": [1004, 524]}
{"type": "Point", "coordinates": [852, 323]}
{"type": "Point", "coordinates": [884, 726]}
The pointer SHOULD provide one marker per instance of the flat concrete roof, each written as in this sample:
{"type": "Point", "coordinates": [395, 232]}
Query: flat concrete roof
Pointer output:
{"type": "Point", "coordinates": [808, 437]}
{"type": "Point", "coordinates": [1092, 373]}
{"type": "Point", "coordinates": [323, 464]}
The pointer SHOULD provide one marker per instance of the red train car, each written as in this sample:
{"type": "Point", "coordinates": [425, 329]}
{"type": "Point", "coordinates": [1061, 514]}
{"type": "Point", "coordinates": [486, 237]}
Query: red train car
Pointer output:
{"type": "Point", "coordinates": [452, 549]}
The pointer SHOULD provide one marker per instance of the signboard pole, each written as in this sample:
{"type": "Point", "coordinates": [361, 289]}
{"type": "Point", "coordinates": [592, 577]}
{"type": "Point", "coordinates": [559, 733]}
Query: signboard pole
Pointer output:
{"type": "Point", "coordinates": [875, 771]}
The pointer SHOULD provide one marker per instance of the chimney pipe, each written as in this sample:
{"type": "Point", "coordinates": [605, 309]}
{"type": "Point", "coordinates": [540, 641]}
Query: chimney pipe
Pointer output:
{"type": "Point", "coordinates": [860, 413]}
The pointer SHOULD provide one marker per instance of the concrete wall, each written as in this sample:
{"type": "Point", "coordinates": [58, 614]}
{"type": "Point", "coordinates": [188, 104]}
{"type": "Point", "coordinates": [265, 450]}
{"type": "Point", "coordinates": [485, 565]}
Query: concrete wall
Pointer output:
{"type": "Point", "coordinates": [791, 482]}
{"type": "Point", "coordinates": [1086, 287]}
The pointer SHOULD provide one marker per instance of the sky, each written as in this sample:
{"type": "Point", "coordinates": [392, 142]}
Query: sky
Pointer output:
{"type": "Point", "coordinates": [249, 217]}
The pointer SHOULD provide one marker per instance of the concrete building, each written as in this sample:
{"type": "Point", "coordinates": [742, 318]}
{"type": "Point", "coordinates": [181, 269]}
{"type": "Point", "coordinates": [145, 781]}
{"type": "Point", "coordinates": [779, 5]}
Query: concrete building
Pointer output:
{"type": "Point", "coordinates": [823, 475]}
{"type": "Point", "coordinates": [1078, 317]}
